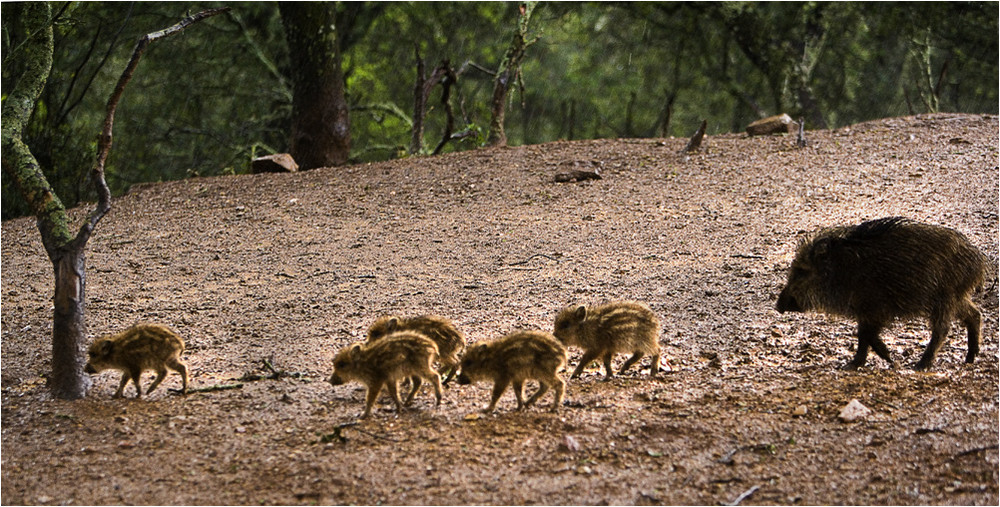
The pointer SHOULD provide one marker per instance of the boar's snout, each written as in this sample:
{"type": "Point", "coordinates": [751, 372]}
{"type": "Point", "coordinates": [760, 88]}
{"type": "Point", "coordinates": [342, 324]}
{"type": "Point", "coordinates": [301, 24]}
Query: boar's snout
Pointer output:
{"type": "Point", "coordinates": [335, 380]}
{"type": "Point", "coordinates": [89, 368]}
{"type": "Point", "coordinates": [464, 379]}
{"type": "Point", "coordinates": [787, 303]}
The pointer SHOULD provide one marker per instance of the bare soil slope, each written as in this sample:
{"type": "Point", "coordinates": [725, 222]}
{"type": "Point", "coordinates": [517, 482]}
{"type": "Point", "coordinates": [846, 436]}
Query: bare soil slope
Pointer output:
{"type": "Point", "coordinates": [290, 268]}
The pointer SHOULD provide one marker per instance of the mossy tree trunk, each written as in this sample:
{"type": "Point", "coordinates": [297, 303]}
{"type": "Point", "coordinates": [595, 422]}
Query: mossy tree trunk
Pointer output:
{"type": "Point", "coordinates": [507, 75]}
{"type": "Point", "coordinates": [64, 249]}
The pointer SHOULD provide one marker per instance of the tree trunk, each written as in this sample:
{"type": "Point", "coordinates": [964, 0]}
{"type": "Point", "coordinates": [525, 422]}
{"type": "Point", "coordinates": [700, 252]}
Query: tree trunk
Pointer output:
{"type": "Point", "coordinates": [320, 130]}
{"type": "Point", "coordinates": [507, 74]}
{"type": "Point", "coordinates": [449, 79]}
{"type": "Point", "coordinates": [68, 327]}
{"type": "Point", "coordinates": [421, 94]}
{"type": "Point", "coordinates": [419, 105]}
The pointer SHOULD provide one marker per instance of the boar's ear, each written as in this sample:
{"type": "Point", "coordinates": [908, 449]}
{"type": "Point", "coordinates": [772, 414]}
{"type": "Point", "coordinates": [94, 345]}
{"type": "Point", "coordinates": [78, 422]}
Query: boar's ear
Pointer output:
{"type": "Point", "coordinates": [392, 325]}
{"type": "Point", "coordinates": [580, 313]}
{"type": "Point", "coordinates": [105, 347]}
{"type": "Point", "coordinates": [354, 351]}
{"type": "Point", "coordinates": [822, 248]}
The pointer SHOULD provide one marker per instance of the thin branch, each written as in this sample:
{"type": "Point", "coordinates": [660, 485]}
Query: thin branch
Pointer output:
{"type": "Point", "coordinates": [107, 54]}
{"type": "Point", "coordinates": [104, 143]}
{"type": "Point", "coordinates": [478, 67]}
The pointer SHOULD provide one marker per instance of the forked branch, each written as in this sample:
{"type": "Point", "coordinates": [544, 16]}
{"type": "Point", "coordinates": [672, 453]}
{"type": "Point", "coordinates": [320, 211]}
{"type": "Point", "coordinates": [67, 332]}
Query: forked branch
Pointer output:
{"type": "Point", "coordinates": [104, 143]}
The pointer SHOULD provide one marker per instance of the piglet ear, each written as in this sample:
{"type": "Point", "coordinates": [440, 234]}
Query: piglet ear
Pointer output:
{"type": "Point", "coordinates": [392, 325]}
{"type": "Point", "coordinates": [106, 346]}
{"type": "Point", "coordinates": [354, 351]}
{"type": "Point", "coordinates": [580, 313]}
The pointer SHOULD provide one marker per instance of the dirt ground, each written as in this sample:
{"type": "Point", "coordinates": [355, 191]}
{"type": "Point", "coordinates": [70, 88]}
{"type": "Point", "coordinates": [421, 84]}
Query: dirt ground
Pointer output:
{"type": "Point", "coordinates": [290, 268]}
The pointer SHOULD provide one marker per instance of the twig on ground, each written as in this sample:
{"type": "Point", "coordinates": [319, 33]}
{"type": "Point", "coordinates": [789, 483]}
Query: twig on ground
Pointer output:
{"type": "Point", "coordinates": [375, 435]}
{"type": "Point", "coordinates": [274, 375]}
{"type": "Point", "coordinates": [743, 496]}
{"type": "Point", "coordinates": [976, 450]}
{"type": "Point", "coordinates": [209, 389]}
{"type": "Point", "coordinates": [525, 261]}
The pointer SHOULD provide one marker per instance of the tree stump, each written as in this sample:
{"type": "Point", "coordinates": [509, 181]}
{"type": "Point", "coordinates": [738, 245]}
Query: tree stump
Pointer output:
{"type": "Point", "coordinates": [695, 143]}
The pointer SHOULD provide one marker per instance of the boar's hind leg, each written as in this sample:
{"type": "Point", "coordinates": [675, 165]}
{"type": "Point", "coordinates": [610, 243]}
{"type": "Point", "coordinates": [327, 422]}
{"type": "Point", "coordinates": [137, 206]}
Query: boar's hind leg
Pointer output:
{"type": "Point", "coordinates": [435, 381]}
{"type": "Point", "coordinates": [417, 382]}
{"type": "Point", "coordinates": [543, 387]}
{"type": "Point", "coordinates": [519, 393]}
{"type": "Point", "coordinates": [632, 360]}
{"type": "Point", "coordinates": [560, 390]}
{"type": "Point", "coordinates": [181, 368]}
{"type": "Point", "coordinates": [940, 325]}
{"type": "Point", "coordinates": [879, 347]}
{"type": "Point", "coordinates": [161, 373]}
{"type": "Point", "coordinates": [973, 320]}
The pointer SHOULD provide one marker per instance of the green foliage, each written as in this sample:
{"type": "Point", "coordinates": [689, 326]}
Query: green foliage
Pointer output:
{"type": "Point", "coordinates": [208, 100]}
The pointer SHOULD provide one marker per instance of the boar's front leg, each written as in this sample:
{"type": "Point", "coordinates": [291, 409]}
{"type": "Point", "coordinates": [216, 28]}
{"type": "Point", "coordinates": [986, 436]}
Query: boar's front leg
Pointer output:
{"type": "Point", "coordinates": [126, 376]}
{"type": "Point", "coordinates": [868, 339]}
{"type": "Point", "coordinates": [498, 388]}
{"type": "Point", "coordinates": [588, 356]}
{"type": "Point", "coordinates": [519, 393]}
{"type": "Point", "coordinates": [371, 396]}
{"type": "Point", "coordinates": [608, 372]}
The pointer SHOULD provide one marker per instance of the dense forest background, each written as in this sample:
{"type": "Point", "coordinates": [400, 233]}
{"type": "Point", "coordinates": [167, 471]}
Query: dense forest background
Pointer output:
{"type": "Point", "coordinates": [209, 100]}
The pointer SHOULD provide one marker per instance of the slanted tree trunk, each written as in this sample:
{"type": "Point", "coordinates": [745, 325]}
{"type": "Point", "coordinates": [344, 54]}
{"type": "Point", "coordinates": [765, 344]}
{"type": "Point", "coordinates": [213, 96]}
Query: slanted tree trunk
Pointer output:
{"type": "Point", "coordinates": [507, 74]}
{"type": "Point", "coordinates": [65, 250]}
{"type": "Point", "coordinates": [320, 131]}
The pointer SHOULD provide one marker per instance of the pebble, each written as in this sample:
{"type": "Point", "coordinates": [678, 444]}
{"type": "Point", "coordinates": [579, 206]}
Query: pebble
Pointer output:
{"type": "Point", "coordinates": [854, 411]}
